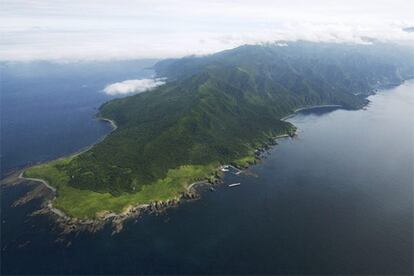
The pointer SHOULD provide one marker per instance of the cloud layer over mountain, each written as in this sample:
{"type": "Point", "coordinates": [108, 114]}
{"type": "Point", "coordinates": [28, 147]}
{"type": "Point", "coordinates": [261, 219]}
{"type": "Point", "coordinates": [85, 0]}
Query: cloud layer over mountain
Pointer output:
{"type": "Point", "coordinates": [112, 29]}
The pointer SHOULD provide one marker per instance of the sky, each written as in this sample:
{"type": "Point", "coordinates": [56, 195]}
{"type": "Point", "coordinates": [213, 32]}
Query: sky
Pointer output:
{"type": "Point", "coordinates": [108, 29]}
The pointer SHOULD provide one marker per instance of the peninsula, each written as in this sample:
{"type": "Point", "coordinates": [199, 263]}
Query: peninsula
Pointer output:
{"type": "Point", "coordinates": [213, 110]}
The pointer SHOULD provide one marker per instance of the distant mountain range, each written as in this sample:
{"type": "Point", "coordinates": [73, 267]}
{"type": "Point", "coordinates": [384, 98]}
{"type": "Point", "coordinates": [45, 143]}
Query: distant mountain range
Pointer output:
{"type": "Point", "coordinates": [218, 109]}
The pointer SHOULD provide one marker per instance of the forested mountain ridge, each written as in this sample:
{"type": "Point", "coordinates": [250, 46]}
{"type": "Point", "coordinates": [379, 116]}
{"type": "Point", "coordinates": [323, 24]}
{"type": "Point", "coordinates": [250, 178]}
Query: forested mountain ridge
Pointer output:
{"type": "Point", "coordinates": [218, 109]}
{"type": "Point", "coordinates": [358, 68]}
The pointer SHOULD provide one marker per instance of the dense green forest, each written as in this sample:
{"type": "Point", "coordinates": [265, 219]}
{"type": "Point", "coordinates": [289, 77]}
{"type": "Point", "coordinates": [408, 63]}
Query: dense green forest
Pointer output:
{"type": "Point", "coordinates": [218, 109]}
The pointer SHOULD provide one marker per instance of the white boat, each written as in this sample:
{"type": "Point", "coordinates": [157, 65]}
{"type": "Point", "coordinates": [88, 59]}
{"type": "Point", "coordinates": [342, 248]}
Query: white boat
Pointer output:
{"type": "Point", "coordinates": [234, 185]}
{"type": "Point", "coordinates": [224, 170]}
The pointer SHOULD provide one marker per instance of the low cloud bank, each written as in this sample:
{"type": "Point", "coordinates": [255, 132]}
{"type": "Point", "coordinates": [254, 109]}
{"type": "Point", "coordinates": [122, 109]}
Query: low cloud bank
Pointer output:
{"type": "Point", "coordinates": [106, 30]}
{"type": "Point", "coordinates": [133, 86]}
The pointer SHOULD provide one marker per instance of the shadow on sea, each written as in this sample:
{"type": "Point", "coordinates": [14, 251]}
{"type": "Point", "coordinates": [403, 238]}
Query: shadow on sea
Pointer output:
{"type": "Point", "coordinates": [318, 111]}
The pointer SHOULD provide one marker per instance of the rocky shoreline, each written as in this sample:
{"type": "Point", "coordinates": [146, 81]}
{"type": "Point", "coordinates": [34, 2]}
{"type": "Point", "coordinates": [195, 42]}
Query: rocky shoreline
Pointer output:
{"type": "Point", "coordinates": [68, 225]}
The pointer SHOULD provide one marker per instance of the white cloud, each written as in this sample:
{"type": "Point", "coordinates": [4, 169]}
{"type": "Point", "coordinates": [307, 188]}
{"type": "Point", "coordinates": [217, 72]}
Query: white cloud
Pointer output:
{"type": "Point", "coordinates": [281, 44]}
{"type": "Point", "coordinates": [132, 86]}
{"type": "Point", "coordinates": [121, 29]}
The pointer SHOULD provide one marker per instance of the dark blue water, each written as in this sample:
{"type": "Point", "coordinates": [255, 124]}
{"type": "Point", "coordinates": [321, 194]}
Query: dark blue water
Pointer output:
{"type": "Point", "coordinates": [336, 200]}
{"type": "Point", "coordinates": [47, 109]}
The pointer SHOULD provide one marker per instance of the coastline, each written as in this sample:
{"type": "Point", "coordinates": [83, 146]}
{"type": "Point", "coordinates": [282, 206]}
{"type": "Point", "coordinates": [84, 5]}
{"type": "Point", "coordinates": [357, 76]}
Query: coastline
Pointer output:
{"type": "Point", "coordinates": [70, 224]}
{"type": "Point", "coordinates": [317, 106]}
{"type": "Point", "coordinates": [47, 206]}
{"type": "Point", "coordinates": [111, 122]}
{"type": "Point", "coordinates": [80, 151]}
{"type": "Point", "coordinates": [310, 108]}
{"type": "Point", "coordinates": [20, 170]}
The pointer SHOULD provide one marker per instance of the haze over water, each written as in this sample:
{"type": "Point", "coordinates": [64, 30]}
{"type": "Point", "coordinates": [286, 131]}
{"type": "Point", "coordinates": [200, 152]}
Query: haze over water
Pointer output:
{"type": "Point", "coordinates": [336, 199]}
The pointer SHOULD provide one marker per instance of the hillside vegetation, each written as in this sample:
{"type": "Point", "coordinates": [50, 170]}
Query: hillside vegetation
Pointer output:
{"type": "Point", "coordinates": [218, 109]}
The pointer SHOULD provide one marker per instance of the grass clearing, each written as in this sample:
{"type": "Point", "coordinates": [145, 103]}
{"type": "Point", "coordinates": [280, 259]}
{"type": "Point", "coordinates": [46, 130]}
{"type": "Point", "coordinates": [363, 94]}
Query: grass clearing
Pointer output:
{"type": "Point", "coordinates": [82, 203]}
